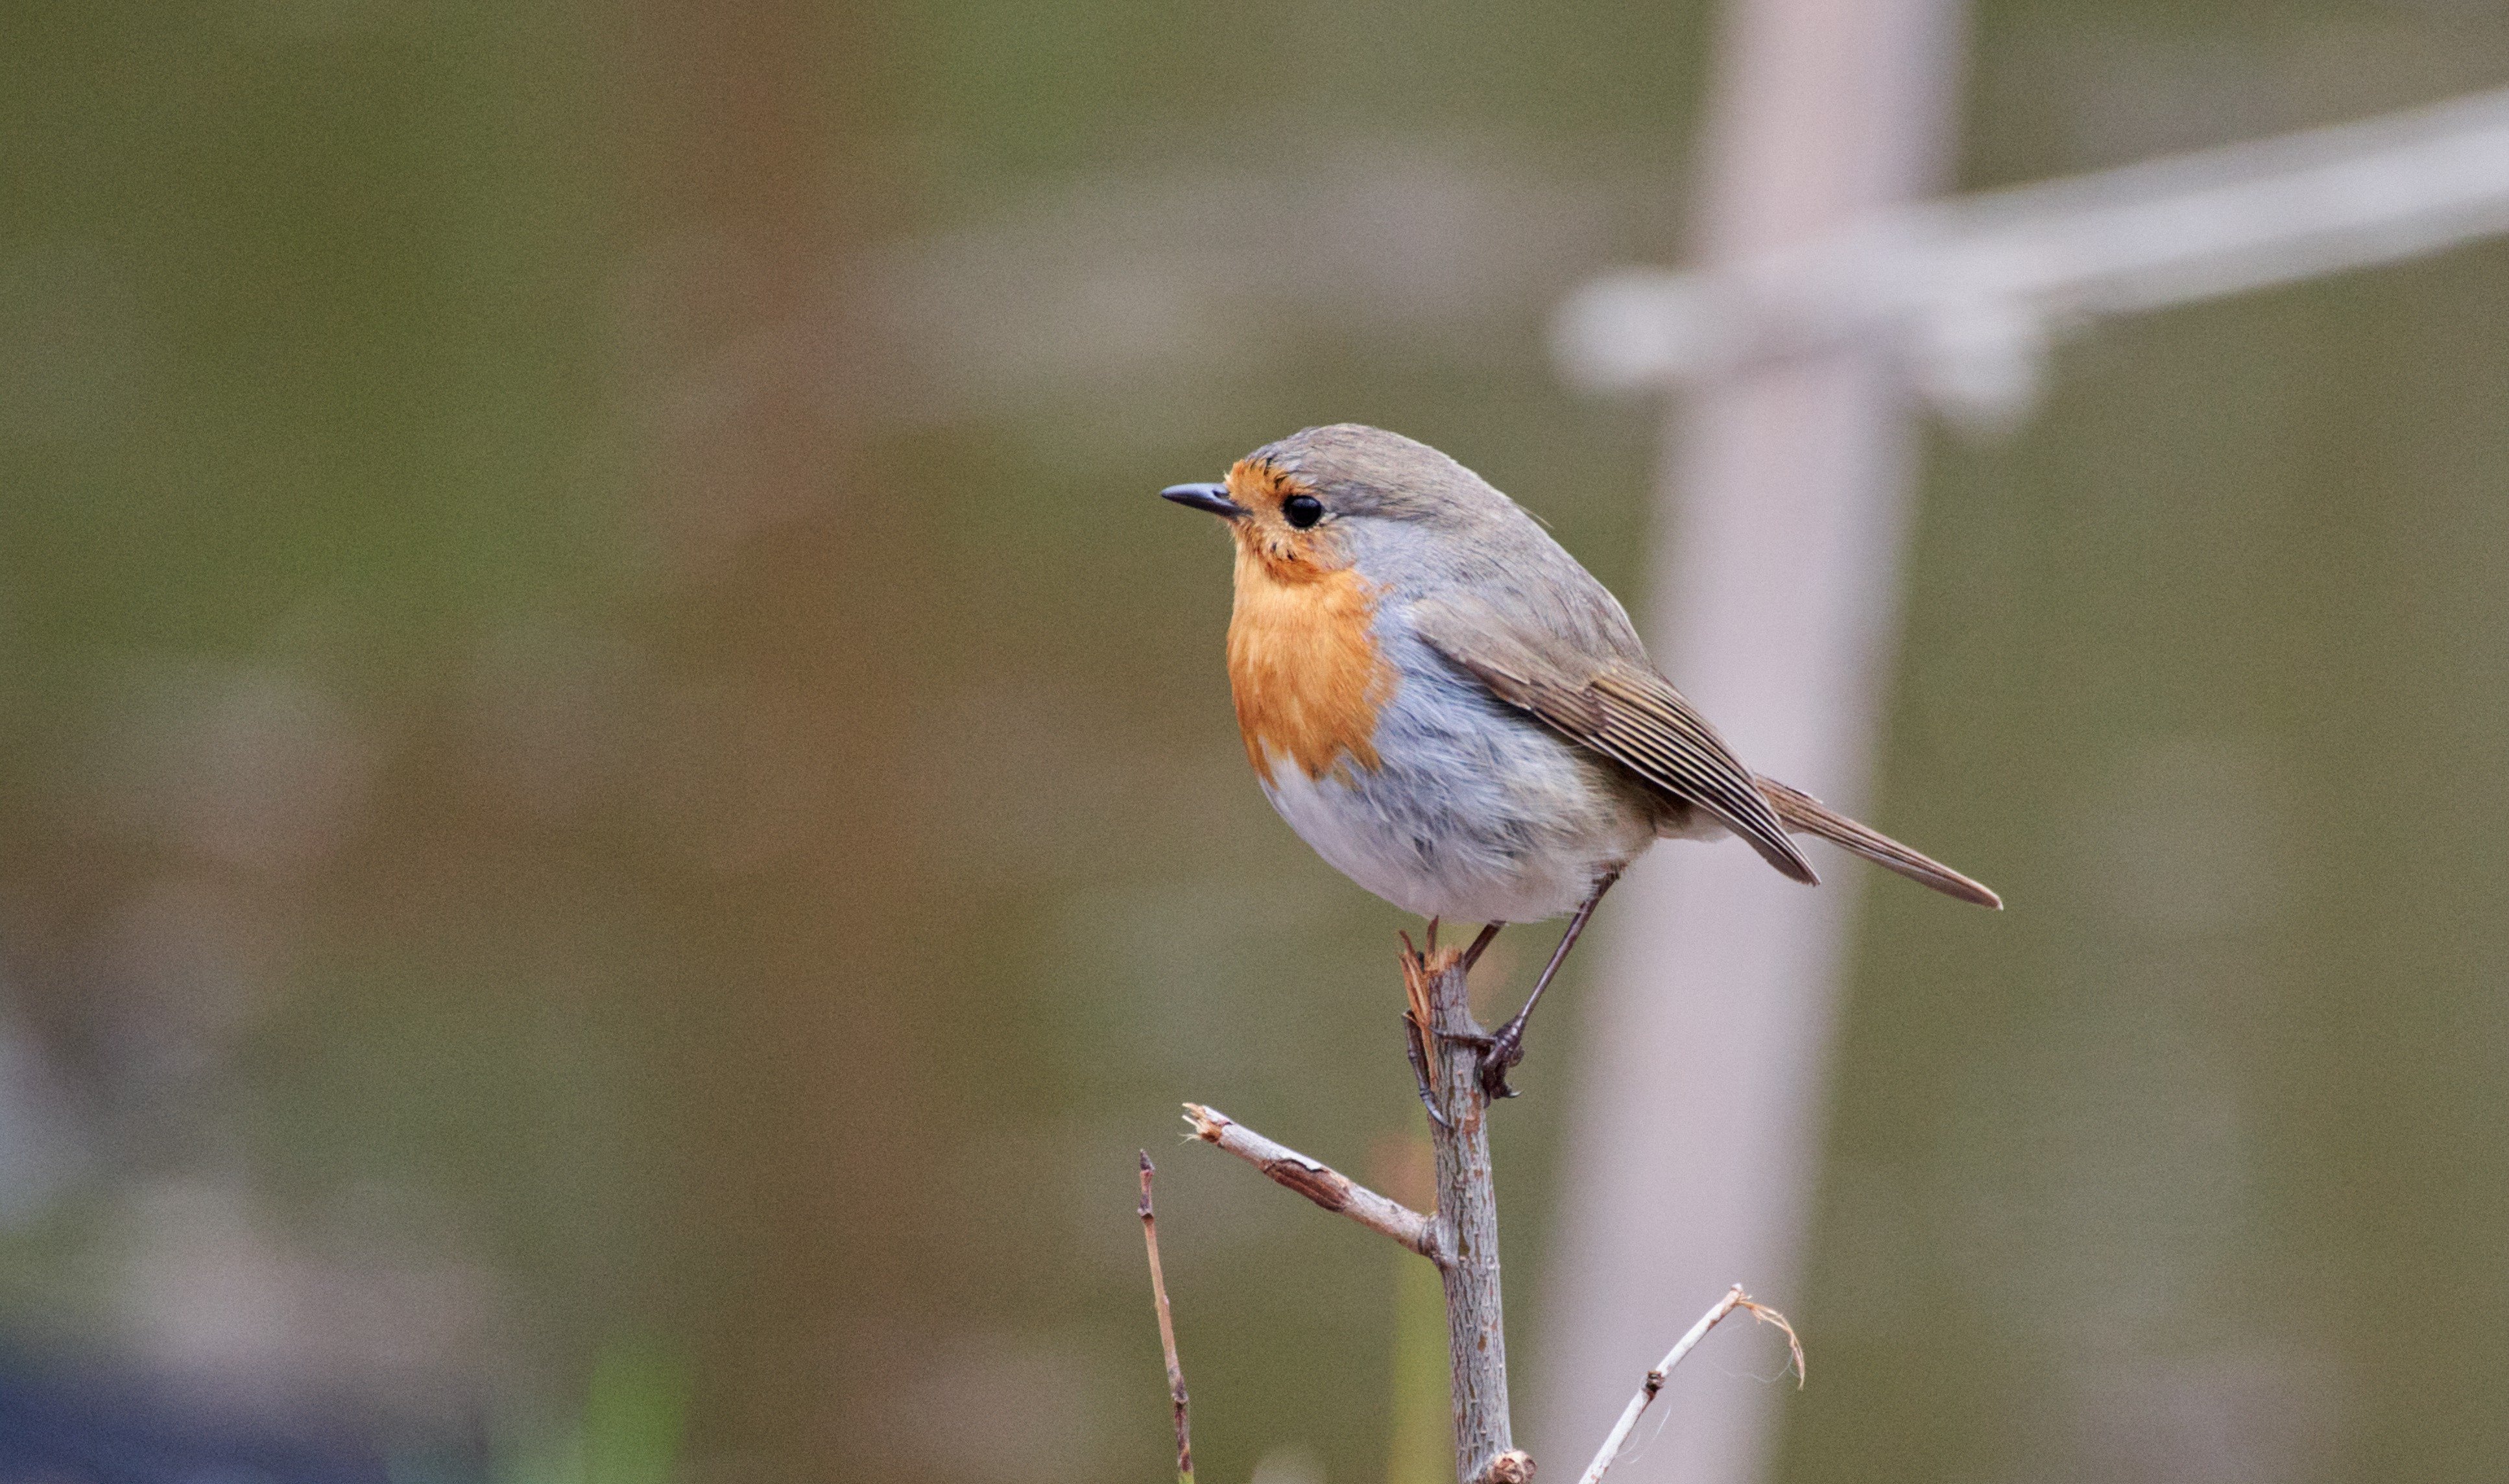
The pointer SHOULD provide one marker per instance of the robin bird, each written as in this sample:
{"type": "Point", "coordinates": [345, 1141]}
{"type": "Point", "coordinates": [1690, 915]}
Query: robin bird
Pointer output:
{"type": "Point", "coordinates": [1457, 715]}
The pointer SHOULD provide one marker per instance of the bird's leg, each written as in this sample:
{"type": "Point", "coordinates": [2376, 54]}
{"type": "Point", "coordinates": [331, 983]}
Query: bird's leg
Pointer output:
{"type": "Point", "coordinates": [1416, 1037]}
{"type": "Point", "coordinates": [1507, 1048]}
{"type": "Point", "coordinates": [1414, 1048]}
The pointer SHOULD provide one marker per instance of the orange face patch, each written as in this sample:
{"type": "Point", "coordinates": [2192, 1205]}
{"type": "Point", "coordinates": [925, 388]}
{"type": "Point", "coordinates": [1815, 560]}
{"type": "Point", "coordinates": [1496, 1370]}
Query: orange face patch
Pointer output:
{"type": "Point", "coordinates": [1303, 667]}
{"type": "Point", "coordinates": [1261, 489]}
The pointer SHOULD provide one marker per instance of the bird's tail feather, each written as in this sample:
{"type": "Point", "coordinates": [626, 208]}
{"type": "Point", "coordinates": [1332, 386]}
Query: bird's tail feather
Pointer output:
{"type": "Point", "coordinates": [1804, 814]}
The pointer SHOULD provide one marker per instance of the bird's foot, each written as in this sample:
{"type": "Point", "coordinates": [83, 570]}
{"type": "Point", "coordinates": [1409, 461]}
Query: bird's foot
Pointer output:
{"type": "Point", "coordinates": [1499, 1054]}
{"type": "Point", "coordinates": [1500, 1057]}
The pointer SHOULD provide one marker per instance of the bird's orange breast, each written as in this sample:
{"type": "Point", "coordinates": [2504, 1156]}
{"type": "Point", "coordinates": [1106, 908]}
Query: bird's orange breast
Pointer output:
{"type": "Point", "coordinates": [1306, 674]}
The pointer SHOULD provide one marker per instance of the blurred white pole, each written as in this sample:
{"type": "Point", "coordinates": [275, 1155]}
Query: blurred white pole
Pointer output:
{"type": "Point", "coordinates": [1693, 1138]}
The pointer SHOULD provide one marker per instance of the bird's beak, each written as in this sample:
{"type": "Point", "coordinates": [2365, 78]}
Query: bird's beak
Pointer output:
{"type": "Point", "coordinates": [1213, 498]}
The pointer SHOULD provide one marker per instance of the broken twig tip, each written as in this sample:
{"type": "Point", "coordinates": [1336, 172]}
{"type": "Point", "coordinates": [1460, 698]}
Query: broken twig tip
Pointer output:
{"type": "Point", "coordinates": [1735, 1298]}
{"type": "Point", "coordinates": [1767, 1316]}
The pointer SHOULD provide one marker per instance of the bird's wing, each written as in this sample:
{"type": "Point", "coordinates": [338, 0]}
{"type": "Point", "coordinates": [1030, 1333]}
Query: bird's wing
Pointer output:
{"type": "Point", "coordinates": [1619, 708]}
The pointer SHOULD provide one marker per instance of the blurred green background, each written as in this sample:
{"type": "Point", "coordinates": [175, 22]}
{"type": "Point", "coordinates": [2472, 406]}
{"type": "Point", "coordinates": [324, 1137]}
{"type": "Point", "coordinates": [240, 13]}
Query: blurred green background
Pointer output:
{"type": "Point", "coordinates": [620, 809]}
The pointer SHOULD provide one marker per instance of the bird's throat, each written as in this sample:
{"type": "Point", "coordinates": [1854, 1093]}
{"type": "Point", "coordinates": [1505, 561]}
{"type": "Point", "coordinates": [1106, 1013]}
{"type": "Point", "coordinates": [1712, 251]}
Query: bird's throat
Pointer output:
{"type": "Point", "coordinates": [1303, 666]}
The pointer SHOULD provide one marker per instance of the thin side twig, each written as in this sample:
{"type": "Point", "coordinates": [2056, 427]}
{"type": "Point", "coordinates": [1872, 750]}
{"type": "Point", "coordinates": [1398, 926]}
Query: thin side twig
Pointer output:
{"type": "Point", "coordinates": [1167, 1329]}
{"type": "Point", "coordinates": [1316, 1180]}
{"type": "Point", "coordinates": [1735, 1298]}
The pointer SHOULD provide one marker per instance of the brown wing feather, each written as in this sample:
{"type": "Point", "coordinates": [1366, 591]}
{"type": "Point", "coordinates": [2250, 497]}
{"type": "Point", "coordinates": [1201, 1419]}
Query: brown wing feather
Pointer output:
{"type": "Point", "coordinates": [1637, 720]}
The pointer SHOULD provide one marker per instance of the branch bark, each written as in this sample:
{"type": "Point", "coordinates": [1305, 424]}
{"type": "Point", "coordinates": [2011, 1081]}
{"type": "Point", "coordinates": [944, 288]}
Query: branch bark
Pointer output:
{"type": "Point", "coordinates": [1466, 1224]}
{"type": "Point", "coordinates": [1316, 1180]}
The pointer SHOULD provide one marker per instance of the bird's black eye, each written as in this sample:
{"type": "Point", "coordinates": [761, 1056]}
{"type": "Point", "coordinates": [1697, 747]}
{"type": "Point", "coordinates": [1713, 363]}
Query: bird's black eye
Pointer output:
{"type": "Point", "coordinates": [1302, 510]}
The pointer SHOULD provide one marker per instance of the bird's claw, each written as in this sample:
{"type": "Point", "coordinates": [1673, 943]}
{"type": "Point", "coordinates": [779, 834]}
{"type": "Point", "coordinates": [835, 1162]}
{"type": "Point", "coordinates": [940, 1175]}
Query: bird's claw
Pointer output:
{"type": "Point", "coordinates": [1418, 1053]}
{"type": "Point", "coordinates": [1500, 1057]}
{"type": "Point", "coordinates": [1499, 1054]}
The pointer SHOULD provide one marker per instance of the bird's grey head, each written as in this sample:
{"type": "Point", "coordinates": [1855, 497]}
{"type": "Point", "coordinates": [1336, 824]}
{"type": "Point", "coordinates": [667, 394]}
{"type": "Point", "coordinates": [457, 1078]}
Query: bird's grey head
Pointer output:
{"type": "Point", "coordinates": [1329, 496]}
{"type": "Point", "coordinates": [1362, 472]}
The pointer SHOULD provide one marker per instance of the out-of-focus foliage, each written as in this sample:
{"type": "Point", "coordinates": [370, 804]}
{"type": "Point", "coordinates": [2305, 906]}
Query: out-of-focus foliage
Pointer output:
{"type": "Point", "coordinates": [620, 808]}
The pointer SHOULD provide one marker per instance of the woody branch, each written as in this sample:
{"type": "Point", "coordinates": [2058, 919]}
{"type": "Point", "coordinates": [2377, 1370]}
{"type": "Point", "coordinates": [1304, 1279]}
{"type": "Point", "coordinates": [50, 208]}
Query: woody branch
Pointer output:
{"type": "Point", "coordinates": [1461, 1237]}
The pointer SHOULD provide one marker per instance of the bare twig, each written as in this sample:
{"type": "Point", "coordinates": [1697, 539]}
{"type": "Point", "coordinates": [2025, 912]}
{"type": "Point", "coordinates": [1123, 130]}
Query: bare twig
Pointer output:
{"type": "Point", "coordinates": [1735, 1298]}
{"type": "Point", "coordinates": [1316, 1180]}
{"type": "Point", "coordinates": [1167, 1329]}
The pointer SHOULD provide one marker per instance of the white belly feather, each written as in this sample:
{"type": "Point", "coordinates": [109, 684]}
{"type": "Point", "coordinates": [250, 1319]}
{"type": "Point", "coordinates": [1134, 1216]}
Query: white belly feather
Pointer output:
{"type": "Point", "coordinates": [1470, 816]}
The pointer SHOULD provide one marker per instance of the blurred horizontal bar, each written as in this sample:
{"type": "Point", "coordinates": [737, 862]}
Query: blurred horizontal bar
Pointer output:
{"type": "Point", "coordinates": [1967, 293]}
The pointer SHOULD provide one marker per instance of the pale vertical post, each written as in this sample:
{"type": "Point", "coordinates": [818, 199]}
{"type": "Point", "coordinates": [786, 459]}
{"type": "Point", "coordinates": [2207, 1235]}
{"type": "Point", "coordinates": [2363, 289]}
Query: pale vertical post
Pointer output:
{"type": "Point", "coordinates": [1696, 1112]}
